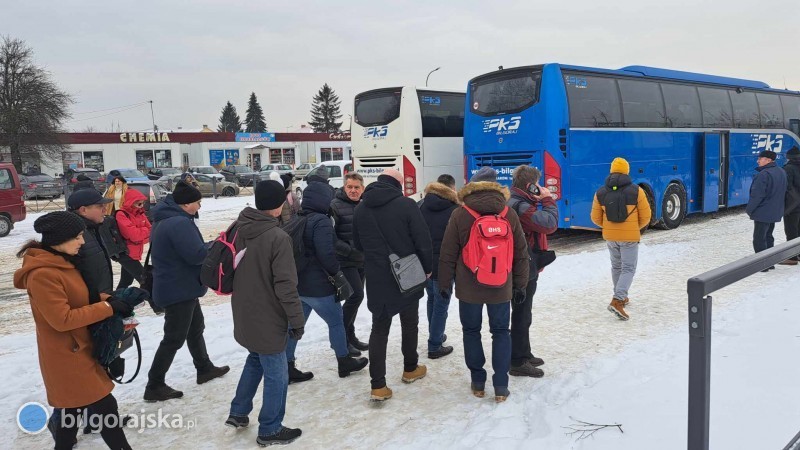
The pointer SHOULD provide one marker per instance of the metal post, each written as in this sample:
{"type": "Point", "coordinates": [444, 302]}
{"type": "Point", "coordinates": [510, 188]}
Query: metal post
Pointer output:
{"type": "Point", "coordinates": [214, 186]}
{"type": "Point", "coordinates": [699, 366]}
{"type": "Point", "coordinates": [153, 116]}
{"type": "Point", "coordinates": [429, 75]}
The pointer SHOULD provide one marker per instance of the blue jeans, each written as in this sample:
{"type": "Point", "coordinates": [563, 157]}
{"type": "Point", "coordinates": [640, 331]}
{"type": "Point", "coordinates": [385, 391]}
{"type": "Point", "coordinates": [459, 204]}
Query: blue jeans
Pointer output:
{"type": "Point", "coordinates": [499, 317]}
{"type": "Point", "coordinates": [331, 312]}
{"type": "Point", "coordinates": [274, 370]}
{"type": "Point", "coordinates": [437, 315]}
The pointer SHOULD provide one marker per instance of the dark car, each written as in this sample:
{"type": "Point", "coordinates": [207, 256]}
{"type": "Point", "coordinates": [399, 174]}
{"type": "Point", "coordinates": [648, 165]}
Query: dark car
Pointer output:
{"type": "Point", "coordinates": [71, 177]}
{"type": "Point", "coordinates": [155, 174]}
{"type": "Point", "coordinates": [128, 174]}
{"type": "Point", "coordinates": [241, 175]}
{"type": "Point", "coordinates": [153, 190]}
{"type": "Point", "coordinates": [40, 186]}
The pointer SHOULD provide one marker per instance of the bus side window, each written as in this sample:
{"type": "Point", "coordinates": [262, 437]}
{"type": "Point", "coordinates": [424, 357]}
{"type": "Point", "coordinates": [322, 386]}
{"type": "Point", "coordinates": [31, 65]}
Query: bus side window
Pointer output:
{"type": "Point", "coordinates": [791, 111]}
{"type": "Point", "coordinates": [771, 111]}
{"type": "Point", "coordinates": [683, 106]}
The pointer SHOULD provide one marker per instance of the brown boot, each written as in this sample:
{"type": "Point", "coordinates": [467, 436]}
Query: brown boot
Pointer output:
{"type": "Point", "coordinates": [626, 301]}
{"type": "Point", "coordinates": [788, 262]}
{"type": "Point", "coordinates": [381, 394]}
{"type": "Point", "coordinates": [416, 374]}
{"type": "Point", "coordinates": [617, 307]}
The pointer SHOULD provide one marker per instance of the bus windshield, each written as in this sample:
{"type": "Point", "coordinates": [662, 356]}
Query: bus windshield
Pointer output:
{"type": "Point", "coordinates": [442, 114]}
{"type": "Point", "coordinates": [505, 92]}
{"type": "Point", "coordinates": [377, 107]}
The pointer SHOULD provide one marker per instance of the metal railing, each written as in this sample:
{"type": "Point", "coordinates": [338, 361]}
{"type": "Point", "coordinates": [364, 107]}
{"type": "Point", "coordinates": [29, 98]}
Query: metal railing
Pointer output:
{"type": "Point", "coordinates": [699, 289]}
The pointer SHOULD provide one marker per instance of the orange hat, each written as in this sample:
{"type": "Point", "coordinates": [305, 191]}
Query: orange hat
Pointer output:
{"type": "Point", "coordinates": [619, 165]}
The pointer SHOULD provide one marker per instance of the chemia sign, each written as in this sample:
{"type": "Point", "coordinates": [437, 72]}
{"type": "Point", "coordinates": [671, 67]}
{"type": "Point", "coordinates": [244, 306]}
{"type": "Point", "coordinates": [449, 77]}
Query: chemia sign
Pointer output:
{"type": "Point", "coordinates": [144, 137]}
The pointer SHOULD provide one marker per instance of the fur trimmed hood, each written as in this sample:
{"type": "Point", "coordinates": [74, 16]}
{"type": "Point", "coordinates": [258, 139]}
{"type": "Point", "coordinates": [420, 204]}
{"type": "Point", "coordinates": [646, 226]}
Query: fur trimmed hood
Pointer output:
{"type": "Point", "coordinates": [482, 186]}
{"type": "Point", "coordinates": [485, 197]}
{"type": "Point", "coordinates": [442, 191]}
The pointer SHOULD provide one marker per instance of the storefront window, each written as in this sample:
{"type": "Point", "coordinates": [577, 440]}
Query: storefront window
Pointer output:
{"type": "Point", "coordinates": [72, 160]}
{"type": "Point", "coordinates": [163, 159]}
{"type": "Point", "coordinates": [93, 160]}
{"type": "Point", "coordinates": [288, 156]}
{"type": "Point", "coordinates": [275, 156]}
{"type": "Point", "coordinates": [331, 154]}
{"type": "Point", "coordinates": [144, 160]}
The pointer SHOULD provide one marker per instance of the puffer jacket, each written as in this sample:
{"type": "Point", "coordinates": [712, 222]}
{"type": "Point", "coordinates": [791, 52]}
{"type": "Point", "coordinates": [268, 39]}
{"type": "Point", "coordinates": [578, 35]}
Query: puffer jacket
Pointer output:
{"type": "Point", "coordinates": [483, 197]}
{"type": "Point", "coordinates": [439, 203]}
{"type": "Point", "coordinates": [133, 224]}
{"type": "Point", "coordinates": [342, 212]}
{"type": "Point", "coordinates": [319, 239]}
{"type": "Point", "coordinates": [639, 212]}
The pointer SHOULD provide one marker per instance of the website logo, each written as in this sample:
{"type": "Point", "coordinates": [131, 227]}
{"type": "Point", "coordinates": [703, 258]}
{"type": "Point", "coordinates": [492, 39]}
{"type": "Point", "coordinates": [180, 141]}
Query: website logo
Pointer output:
{"type": "Point", "coordinates": [32, 417]}
{"type": "Point", "coordinates": [502, 126]}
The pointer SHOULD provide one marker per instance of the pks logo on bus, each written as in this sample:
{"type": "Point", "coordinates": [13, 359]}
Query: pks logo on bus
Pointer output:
{"type": "Point", "coordinates": [376, 132]}
{"type": "Point", "coordinates": [767, 142]}
{"type": "Point", "coordinates": [502, 125]}
{"type": "Point", "coordinates": [576, 82]}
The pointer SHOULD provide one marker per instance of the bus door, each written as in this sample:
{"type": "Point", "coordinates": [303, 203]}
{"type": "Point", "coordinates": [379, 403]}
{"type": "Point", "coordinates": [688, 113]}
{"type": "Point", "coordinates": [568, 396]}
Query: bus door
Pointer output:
{"type": "Point", "coordinates": [715, 170]}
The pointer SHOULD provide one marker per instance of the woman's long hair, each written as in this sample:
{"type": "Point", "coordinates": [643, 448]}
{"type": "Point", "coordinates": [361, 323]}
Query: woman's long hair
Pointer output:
{"type": "Point", "coordinates": [33, 243]}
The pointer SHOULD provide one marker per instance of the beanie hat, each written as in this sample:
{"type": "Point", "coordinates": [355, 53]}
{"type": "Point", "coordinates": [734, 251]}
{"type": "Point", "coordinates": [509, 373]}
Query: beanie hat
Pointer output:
{"type": "Point", "coordinates": [59, 227]}
{"type": "Point", "coordinates": [269, 195]}
{"type": "Point", "coordinates": [274, 176]}
{"type": "Point", "coordinates": [793, 153]}
{"type": "Point", "coordinates": [184, 193]}
{"type": "Point", "coordinates": [286, 179]}
{"type": "Point", "coordinates": [768, 154]}
{"type": "Point", "coordinates": [620, 165]}
{"type": "Point", "coordinates": [484, 174]}
{"type": "Point", "coordinates": [390, 180]}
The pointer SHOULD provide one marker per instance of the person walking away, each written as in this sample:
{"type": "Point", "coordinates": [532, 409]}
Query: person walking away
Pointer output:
{"type": "Point", "coordinates": [482, 197]}
{"type": "Point", "coordinates": [135, 229]}
{"type": "Point", "coordinates": [350, 259]}
{"type": "Point", "coordinates": [440, 200]}
{"type": "Point", "coordinates": [292, 204]}
{"type": "Point", "coordinates": [791, 209]}
{"type": "Point", "coordinates": [116, 193]}
{"type": "Point", "coordinates": [766, 204]}
{"type": "Point", "coordinates": [621, 209]}
{"type": "Point", "coordinates": [387, 222]}
{"type": "Point", "coordinates": [265, 304]}
{"type": "Point", "coordinates": [538, 215]}
{"type": "Point", "coordinates": [313, 285]}
{"type": "Point", "coordinates": [178, 252]}
{"type": "Point", "coordinates": [62, 311]}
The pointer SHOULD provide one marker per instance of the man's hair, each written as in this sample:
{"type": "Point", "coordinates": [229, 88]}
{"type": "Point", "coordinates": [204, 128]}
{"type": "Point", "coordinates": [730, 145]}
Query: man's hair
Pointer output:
{"type": "Point", "coordinates": [447, 180]}
{"type": "Point", "coordinates": [525, 175]}
{"type": "Point", "coordinates": [354, 176]}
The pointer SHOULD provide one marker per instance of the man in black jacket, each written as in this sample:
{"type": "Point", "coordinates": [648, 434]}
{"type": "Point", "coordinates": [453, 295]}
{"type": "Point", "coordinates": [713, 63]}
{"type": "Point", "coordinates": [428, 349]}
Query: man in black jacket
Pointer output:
{"type": "Point", "coordinates": [791, 211]}
{"type": "Point", "coordinates": [441, 199]}
{"type": "Point", "coordinates": [767, 197]}
{"type": "Point", "coordinates": [95, 254]}
{"type": "Point", "coordinates": [351, 260]}
{"type": "Point", "coordinates": [402, 232]}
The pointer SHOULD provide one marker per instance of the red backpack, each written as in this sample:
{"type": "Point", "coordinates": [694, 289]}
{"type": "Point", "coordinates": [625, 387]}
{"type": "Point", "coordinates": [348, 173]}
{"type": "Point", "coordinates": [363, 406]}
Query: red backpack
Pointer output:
{"type": "Point", "coordinates": [489, 252]}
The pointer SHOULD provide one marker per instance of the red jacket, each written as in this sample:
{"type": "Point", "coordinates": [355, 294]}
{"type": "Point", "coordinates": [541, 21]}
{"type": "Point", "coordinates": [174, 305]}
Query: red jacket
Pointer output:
{"type": "Point", "coordinates": [133, 224]}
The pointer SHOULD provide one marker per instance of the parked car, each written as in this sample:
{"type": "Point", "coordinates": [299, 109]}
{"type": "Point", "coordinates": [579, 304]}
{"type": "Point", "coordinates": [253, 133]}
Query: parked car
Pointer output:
{"type": "Point", "coordinates": [241, 175]}
{"type": "Point", "coordinates": [12, 204]}
{"type": "Point", "coordinates": [336, 172]}
{"type": "Point", "coordinates": [302, 170]}
{"type": "Point", "coordinates": [152, 189]}
{"type": "Point", "coordinates": [128, 174]}
{"type": "Point", "coordinates": [155, 174]}
{"type": "Point", "coordinates": [211, 171]}
{"type": "Point", "coordinates": [280, 168]}
{"type": "Point", "coordinates": [40, 186]}
{"type": "Point", "coordinates": [71, 177]}
{"type": "Point", "coordinates": [224, 188]}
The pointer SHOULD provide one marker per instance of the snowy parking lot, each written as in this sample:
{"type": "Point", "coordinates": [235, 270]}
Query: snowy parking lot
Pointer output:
{"type": "Point", "coordinates": [598, 369]}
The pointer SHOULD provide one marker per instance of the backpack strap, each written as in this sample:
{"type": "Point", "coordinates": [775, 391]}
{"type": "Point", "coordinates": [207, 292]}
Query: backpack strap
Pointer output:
{"type": "Point", "coordinates": [472, 212]}
{"type": "Point", "coordinates": [503, 212]}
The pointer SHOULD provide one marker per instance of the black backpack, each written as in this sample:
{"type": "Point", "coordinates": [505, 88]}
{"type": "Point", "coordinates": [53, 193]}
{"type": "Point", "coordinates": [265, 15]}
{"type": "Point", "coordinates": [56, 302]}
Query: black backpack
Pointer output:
{"type": "Point", "coordinates": [295, 228]}
{"type": "Point", "coordinates": [614, 202]}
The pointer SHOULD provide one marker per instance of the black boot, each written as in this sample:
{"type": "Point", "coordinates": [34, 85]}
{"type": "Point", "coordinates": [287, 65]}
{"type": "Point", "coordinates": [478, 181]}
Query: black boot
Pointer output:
{"type": "Point", "coordinates": [237, 421]}
{"type": "Point", "coordinates": [284, 436]}
{"type": "Point", "coordinates": [348, 364]}
{"type": "Point", "coordinates": [363, 346]}
{"type": "Point", "coordinates": [160, 393]}
{"type": "Point", "coordinates": [209, 374]}
{"type": "Point", "coordinates": [296, 375]}
{"type": "Point", "coordinates": [442, 352]}
{"type": "Point", "coordinates": [353, 351]}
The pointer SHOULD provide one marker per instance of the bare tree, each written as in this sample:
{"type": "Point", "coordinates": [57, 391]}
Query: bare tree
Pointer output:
{"type": "Point", "coordinates": [582, 429]}
{"type": "Point", "coordinates": [32, 107]}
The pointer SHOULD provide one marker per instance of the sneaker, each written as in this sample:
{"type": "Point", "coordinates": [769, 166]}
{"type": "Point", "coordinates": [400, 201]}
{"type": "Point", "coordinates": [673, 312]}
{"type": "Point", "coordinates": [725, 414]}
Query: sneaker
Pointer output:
{"type": "Point", "coordinates": [443, 351]}
{"type": "Point", "coordinates": [478, 389]}
{"type": "Point", "coordinates": [363, 346]}
{"type": "Point", "coordinates": [298, 376]}
{"type": "Point", "coordinates": [237, 421]}
{"type": "Point", "coordinates": [526, 369]}
{"type": "Point", "coordinates": [380, 394]}
{"type": "Point", "coordinates": [618, 309]}
{"type": "Point", "coordinates": [282, 437]}
{"type": "Point", "coordinates": [416, 374]}
{"type": "Point", "coordinates": [348, 365]}
{"type": "Point", "coordinates": [501, 394]}
{"type": "Point", "coordinates": [209, 374]}
{"type": "Point", "coordinates": [161, 393]}
{"type": "Point", "coordinates": [353, 351]}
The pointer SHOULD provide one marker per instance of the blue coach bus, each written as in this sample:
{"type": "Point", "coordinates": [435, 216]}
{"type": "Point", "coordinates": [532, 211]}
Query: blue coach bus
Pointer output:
{"type": "Point", "coordinates": [690, 138]}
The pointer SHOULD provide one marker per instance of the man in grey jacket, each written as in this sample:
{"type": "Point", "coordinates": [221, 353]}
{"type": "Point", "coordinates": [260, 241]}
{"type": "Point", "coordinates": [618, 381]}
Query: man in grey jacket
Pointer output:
{"type": "Point", "coordinates": [266, 310]}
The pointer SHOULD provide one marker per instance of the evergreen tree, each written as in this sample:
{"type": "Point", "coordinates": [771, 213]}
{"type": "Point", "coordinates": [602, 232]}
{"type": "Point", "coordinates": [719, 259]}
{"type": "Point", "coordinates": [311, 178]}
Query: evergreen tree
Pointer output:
{"type": "Point", "coordinates": [229, 120]}
{"type": "Point", "coordinates": [254, 121]}
{"type": "Point", "coordinates": [325, 111]}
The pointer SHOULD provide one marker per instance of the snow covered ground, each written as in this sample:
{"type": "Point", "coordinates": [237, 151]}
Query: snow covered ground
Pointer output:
{"type": "Point", "coordinates": [598, 369]}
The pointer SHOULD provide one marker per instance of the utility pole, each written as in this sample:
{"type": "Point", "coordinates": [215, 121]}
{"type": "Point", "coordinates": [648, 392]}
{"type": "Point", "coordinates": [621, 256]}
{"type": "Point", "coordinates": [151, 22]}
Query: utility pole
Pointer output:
{"type": "Point", "coordinates": [152, 116]}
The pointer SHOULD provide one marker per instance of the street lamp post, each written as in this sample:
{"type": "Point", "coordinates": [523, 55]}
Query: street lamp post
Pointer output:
{"type": "Point", "coordinates": [429, 75]}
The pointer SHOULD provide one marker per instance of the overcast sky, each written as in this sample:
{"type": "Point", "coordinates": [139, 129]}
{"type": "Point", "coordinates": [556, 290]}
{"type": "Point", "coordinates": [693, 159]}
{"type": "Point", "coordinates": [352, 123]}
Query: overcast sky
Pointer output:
{"type": "Point", "coordinates": [191, 57]}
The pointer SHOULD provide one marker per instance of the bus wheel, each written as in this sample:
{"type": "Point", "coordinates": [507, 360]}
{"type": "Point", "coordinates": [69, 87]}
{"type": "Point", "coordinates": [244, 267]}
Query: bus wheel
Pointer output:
{"type": "Point", "coordinates": [673, 207]}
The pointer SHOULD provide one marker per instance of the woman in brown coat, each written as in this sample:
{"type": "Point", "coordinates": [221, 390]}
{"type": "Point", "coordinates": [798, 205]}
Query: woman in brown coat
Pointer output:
{"type": "Point", "coordinates": [59, 299]}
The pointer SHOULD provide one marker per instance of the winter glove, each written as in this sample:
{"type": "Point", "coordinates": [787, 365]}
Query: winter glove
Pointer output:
{"type": "Point", "coordinates": [131, 295]}
{"type": "Point", "coordinates": [342, 249]}
{"type": "Point", "coordinates": [120, 307]}
{"type": "Point", "coordinates": [296, 333]}
{"type": "Point", "coordinates": [356, 256]}
{"type": "Point", "coordinates": [519, 296]}
{"type": "Point", "coordinates": [445, 294]}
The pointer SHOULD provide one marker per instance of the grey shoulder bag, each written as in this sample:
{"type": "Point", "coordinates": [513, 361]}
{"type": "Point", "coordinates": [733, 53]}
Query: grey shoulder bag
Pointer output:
{"type": "Point", "coordinates": [407, 270]}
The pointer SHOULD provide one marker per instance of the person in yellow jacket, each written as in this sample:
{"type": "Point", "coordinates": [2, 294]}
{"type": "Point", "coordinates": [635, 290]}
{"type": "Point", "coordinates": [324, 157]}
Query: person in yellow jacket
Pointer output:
{"type": "Point", "coordinates": [621, 209]}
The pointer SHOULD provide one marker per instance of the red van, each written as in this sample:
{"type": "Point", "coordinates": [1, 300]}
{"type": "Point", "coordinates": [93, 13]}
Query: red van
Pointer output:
{"type": "Point", "coordinates": [12, 204]}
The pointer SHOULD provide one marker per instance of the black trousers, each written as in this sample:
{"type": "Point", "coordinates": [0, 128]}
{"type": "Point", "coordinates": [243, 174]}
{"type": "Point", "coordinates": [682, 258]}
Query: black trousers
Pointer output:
{"type": "Point", "coordinates": [183, 322]}
{"type": "Point", "coordinates": [104, 414]}
{"type": "Point", "coordinates": [130, 269]}
{"type": "Point", "coordinates": [521, 320]}
{"type": "Point", "coordinates": [762, 236]}
{"type": "Point", "coordinates": [355, 276]}
{"type": "Point", "coordinates": [379, 339]}
{"type": "Point", "coordinates": [791, 225]}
